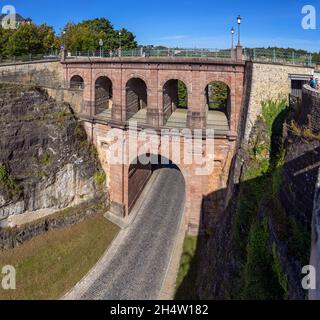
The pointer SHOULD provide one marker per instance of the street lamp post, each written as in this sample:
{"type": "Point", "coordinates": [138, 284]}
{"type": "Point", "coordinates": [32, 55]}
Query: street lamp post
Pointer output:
{"type": "Point", "coordinates": [239, 19]}
{"type": "Point", "coordinates": [120, 48]}
{"type": "Point", "coordinates": [232, 44]}
{"type": "Point", "coordinates": [101, 45]}
{"type": "Point", "coordinates": [239, 48]}
{"type": "Point", "coordinates": [232, 38]}
{"type": "Point", "coordinates": [63, 39]}
{"type": "Point", "coordinates": [63, 47]}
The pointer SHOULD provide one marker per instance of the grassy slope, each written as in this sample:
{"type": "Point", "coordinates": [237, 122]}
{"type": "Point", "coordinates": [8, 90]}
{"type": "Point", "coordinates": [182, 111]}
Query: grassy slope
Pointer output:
{"type": "Point", "coordinates": [184, 287]}
{"type": "Point", "coordinates": [49, 265]}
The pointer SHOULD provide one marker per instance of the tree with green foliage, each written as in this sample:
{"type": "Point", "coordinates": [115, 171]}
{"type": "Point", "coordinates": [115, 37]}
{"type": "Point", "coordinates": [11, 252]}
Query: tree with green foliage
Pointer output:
{"type": "Point", "coordinates": [85, 36]}
{"type": "Point", "coordinates": [182, 95]}
{"type": "Point", "coordinates": [27, 39]}
{"type": "Point", "coordinates": [217, 95]}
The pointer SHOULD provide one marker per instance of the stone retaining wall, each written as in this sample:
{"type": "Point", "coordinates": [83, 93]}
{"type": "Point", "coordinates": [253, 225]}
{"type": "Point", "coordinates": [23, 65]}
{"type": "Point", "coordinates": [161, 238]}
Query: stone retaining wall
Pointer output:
{"type": "Point", "coordinates": [315, 254]}
{"type": "Point", "coordinates": [13, 237]}
{"type": "Point", "coordinates": [46, 74]}
{"type": "Point", "coordinates": [43, 73]}
{"type": "Point", "coordinates": [74, 97]}
{"type": "Point", "coordinates": [269, 81]}
{"type": "Point", "coordinates": [310, 108]}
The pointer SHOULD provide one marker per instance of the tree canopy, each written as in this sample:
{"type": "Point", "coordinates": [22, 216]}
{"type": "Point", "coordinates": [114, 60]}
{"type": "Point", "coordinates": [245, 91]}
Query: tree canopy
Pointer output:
{"type": "Point", "coordinates": [85, 36]}
{"type": "Point", "coordinates": [29, 38]}
{"type": "Point", "coordinates": [217, 95]}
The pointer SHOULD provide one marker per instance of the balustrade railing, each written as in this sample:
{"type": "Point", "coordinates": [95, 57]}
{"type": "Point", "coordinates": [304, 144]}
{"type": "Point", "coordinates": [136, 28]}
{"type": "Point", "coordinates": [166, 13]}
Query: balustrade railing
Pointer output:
{"type": "Point", "coordinates": [30, 57]}
{"type": "Point", "coordinates": [156, 53]}
{"type": "Point", "coordinates": [278, 56]}
{"type": "Point", "coordinates": [258, 55]}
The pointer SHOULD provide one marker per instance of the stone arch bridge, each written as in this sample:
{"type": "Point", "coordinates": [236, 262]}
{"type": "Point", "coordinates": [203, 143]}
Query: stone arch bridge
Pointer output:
{"type": "Point", "coordinates": [172, 93]}
{"type": "Point", "coordinates": [116, 91]}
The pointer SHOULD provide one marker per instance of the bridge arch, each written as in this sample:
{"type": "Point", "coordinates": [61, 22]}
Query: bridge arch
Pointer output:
{"type": "Point", "coordinates": [103, 94]}
{"type": "Point", "coordinates": [140, 172]}
{"type": "Point", "coordinates": [218, 104]}
{"type": "Point", "coordinates": [175, 97]}
{"type": "Point", "coordinates": [136, 97]}
{"type": "Point", "coordinates": [76, 82]}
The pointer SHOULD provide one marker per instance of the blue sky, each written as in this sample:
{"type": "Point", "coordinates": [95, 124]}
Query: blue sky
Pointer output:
{"type": "Point", "coordinates": [187, 23]}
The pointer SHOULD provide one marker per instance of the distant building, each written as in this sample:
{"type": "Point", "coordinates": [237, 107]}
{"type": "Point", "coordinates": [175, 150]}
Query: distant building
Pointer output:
{"type": "Point", "coordinates": [19, 19]}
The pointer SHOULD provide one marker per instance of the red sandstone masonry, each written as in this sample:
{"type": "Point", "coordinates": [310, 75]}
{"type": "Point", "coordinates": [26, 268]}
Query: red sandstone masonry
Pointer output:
{"type": "Point", "coordinates": [196, 75]}
{"type": "Point", "coordinates": [197, 187]}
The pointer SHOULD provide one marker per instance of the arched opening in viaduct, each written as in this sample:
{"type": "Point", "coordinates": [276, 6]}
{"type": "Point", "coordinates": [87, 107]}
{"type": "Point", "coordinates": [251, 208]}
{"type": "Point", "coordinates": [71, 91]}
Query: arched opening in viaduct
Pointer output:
{"type": "Point", "coordinates": [103, 94]}
{"type": "Point", "coordinates": [77, 82]}
{"type": "Point", "coordinates": [136, 99]}
{"type": "Point", "coordinates": [218, 104]}
{"type": "Point", "coordinates": [175, 100]}
{"type": "Point", "coordinates": [141, 171]}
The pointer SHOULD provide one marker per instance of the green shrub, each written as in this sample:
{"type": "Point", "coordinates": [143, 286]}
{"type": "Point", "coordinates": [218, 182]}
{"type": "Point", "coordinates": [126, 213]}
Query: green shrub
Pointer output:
{"type": "Point", "coordinates": [305, 132]}
{"type": "Point", "coordinates": [100, 178]}
{"type": "Point", "coordinates": [3, 173]}
{"type": "Point", "coordinates": [261, 276]}
{"type": "Point", "coordinates": [298, 240]}
{"type": "Point", "coordinates": [45, 160]}
{"type": "Point", "coordinates": [270, 111]}
{"type": "Point", "coordinates": [277, 268]}
{"type": "Point", "coordinates": [261, 282]}
{"type": "Point", "coordinates": [7, 180]}
{"type": "Point", "coordinates": [62, 115]}
{"type": "Point", "coordinates": [80, 132]}
{"type": "Point", "coordinates": [295, 129]}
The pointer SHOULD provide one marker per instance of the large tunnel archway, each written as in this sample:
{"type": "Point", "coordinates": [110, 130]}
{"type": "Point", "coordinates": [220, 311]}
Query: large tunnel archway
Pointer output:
{"type": "Point", "coordinates": [103, 94]}
{"type": "Point", "coordinates": [152, 230]}
{"type": "Point", "coordinates": [142, 170]}
{"type": "Point", "coordinates": [136, 97]}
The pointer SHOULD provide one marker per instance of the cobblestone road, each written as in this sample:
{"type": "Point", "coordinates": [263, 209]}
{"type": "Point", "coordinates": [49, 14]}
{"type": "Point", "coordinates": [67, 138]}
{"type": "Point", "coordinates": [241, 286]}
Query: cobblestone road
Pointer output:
{"type": "Point", "coordinates": [138, 267]}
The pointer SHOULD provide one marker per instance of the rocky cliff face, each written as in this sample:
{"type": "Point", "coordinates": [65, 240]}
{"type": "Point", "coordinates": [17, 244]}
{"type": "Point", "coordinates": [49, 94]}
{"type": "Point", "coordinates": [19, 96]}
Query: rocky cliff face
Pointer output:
{"type": "Point", "coordinates": [45, 161]}
{"type": "Point", "coordinates": [314, 293]}
{"type": "Point", "coordinates": [257, 247]}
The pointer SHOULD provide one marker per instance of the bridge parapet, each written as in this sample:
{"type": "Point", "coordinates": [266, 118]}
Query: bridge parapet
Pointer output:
{"type": "Point", "coordinates": [146, 89]}
{"type": "Point", "coordinates": [213, 54]}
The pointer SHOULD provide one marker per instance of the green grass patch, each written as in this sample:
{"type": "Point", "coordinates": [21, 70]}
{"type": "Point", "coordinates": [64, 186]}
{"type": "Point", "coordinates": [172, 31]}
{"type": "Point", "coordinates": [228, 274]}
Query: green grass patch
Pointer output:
{"type": "Point", "coordinates": [261, 282]}
{"type": "Point", "coordinates": [187, 271]}
{"type": "Point", "coordinates": [50, 265]}
{"type": "Point", "coordinates": [278, 270]}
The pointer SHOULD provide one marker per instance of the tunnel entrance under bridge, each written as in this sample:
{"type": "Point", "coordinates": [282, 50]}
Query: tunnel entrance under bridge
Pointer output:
{"type": "Point", "coordinates": [141, 171]}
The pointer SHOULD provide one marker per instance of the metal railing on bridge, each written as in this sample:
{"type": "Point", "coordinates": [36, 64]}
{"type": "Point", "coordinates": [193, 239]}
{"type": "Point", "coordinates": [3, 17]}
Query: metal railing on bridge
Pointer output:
{"type": "Point", "coordinates": [278, 56]}
{"type": "Point", "coordinates": [259, 55]}
{"type": "Point", "coordinates": [155, 53]}
{"type": "Point", "coordinates": [29, 58]}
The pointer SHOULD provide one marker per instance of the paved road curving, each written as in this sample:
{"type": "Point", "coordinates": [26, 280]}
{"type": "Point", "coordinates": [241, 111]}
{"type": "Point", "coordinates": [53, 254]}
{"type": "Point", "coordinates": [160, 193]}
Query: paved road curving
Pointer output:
{"type": "Point", "coordinates": [138, 267]}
